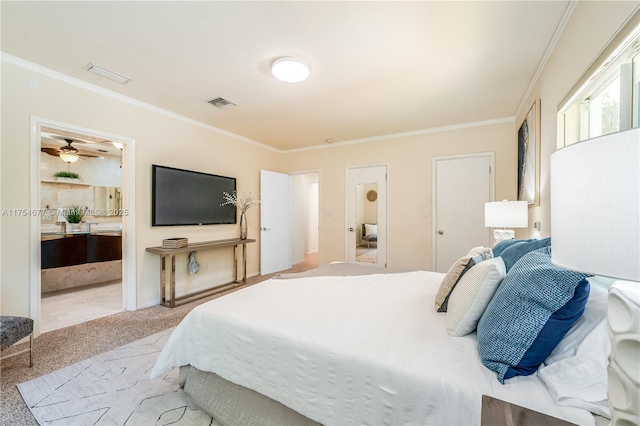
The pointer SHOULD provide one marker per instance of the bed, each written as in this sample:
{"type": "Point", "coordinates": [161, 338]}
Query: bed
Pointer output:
{"type": "Point", "coordinates": [343, 344]}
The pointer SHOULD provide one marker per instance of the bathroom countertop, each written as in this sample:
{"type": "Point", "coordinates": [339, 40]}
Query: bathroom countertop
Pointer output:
{"type": "Point", "coordinates": [47, 236]}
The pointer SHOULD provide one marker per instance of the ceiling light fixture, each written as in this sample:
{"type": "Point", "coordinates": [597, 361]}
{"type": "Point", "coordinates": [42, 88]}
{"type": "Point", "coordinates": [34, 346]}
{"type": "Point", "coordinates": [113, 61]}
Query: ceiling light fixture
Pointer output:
{"type": "Point", "coordinates": [107, 74]}
{"type": "Point", "coordinates": [290, 70]}
{"type": "Point", "coordinates": [68, 153]}
{"type": "Point", "coordinates": [69, 157]}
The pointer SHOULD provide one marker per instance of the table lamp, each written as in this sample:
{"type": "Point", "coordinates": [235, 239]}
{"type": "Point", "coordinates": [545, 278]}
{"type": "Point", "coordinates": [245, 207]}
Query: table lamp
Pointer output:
{"type": "Point", "coordinates": [595, 228]}
{"type": "Point", "coordinates": [505, 214]}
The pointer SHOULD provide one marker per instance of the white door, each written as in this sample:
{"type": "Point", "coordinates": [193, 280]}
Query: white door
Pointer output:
{"type": "Point", "coordinates": [462, 185]}
{"type": "Point", "coordinates": [367, 215]}
{"type": "Point", "coordinates": [275, 222]}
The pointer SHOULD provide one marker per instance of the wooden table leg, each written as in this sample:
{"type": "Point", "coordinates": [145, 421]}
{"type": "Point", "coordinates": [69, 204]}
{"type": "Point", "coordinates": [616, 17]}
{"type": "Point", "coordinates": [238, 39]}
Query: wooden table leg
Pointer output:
{"type": "Point", "coordinates": [235, 264]}
{"type": "Point", "coordinates": [173, 280]}
{"type": "Point", "coordinates": [244, 264]}
{"type": "Point", "coordinates": [163, 279]}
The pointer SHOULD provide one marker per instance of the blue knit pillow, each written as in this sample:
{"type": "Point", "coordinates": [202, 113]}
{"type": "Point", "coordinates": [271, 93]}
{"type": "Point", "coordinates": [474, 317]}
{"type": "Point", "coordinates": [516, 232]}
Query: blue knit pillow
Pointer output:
{"type": "Point", "coordinates": [513, 253]}
{"type": "Point", "coordinates": [504, 244]}
{"type": "Point", "coordinates": [532, 310]}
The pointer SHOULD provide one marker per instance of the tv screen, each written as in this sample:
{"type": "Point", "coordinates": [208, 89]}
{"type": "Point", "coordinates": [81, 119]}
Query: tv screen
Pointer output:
{"type": "Point", "coordinates": [184, 197]}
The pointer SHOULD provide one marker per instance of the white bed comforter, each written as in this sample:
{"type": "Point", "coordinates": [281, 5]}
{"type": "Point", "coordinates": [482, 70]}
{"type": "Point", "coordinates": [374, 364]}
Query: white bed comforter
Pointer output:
{"type": "Point", "coordinates": [350, 350]}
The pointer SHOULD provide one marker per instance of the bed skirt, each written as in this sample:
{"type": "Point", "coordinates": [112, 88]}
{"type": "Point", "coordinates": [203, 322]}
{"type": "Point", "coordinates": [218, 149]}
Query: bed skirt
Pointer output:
{"type": "Point", "coordinates": [232, 404]}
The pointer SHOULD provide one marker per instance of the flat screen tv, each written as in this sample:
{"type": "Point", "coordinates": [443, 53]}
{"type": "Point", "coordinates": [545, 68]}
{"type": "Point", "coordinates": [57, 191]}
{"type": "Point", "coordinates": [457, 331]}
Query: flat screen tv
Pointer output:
{"type": "Point", "coordinates": [184, 197]}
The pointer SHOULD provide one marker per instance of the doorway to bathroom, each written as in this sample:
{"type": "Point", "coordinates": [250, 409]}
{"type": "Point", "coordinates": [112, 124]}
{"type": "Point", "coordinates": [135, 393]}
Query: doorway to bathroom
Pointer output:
{"type": "Point", "coordinates": [82, 194]}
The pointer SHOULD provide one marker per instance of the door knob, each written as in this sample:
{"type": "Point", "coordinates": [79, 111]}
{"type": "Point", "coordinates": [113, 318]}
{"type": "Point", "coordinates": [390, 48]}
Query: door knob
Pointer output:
{"type": "Point", "coordinates": [440, 231]}
{"type": "Point", "coordinates": [351, 229]}
{"type": "Point", "coordinates": [265, 229]}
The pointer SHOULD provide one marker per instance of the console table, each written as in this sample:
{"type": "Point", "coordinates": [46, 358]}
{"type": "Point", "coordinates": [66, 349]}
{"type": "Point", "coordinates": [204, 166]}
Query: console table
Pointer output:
{"type": "Point", "coordinates": [169, 255]}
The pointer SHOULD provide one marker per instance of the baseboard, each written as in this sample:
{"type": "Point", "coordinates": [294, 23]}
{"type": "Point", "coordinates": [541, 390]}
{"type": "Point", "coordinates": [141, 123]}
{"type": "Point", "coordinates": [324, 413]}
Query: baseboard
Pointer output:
{"type": "Point", "coordinates": [157, 301]}
{"type": "Point", "coordinates": [148, 304]}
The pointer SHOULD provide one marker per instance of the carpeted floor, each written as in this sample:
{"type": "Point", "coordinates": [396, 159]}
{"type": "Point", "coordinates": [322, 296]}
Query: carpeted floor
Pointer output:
{"type": "Point", "coordinates": [60, 348]}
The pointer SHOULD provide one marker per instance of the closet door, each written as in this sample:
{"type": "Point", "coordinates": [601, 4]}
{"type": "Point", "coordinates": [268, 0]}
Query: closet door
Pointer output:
{"type": "Point", "coordinates": [462, 185]}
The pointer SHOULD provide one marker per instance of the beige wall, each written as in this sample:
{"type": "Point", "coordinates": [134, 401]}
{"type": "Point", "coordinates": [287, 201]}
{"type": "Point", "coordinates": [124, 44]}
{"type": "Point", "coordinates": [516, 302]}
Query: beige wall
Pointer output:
{"type": "Point", "coordinates": [410, 184]}
{"type": "Point", "coordinates": [159, 139]}
{"type": "Point", "coordinates": [589, 30]}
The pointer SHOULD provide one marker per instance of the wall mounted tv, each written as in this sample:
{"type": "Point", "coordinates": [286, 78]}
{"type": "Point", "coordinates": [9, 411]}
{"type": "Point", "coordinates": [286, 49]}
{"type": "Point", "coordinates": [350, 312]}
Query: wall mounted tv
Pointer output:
{"type": "Point", "coordinates": [184, 197]}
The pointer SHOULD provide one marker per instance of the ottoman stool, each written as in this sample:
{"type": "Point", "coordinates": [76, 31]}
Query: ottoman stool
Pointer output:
{"type": "Point", "coordinates": [13, 329]}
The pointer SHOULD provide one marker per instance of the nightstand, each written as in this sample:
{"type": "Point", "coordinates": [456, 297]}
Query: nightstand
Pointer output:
{"type": "Point", "coordinates": [496, 412]}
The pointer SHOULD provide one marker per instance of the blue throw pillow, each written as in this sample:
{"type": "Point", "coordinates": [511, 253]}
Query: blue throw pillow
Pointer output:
{"type": "Point", "coordinates": [513, 253]}
{"type": "Point", "coordinates": [504, 244]}
{"type": "Point", "coordinates": [553, 331]}
{"type": "Point", "coordinates": [532, 310]}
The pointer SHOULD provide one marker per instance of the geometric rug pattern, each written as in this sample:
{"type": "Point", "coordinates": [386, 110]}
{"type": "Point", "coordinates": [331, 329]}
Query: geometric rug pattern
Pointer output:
{"type": "Point", "coordinates": [112, 388]}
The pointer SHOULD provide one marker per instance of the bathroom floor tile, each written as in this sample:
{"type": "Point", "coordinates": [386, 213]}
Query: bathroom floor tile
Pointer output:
{"type": "Point", "coordinates": [69, 307]}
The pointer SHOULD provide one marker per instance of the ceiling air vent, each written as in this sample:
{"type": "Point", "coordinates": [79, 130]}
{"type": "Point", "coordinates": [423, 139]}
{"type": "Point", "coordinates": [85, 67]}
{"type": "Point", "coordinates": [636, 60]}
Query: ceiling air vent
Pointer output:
{"type": "Point", "coordinates": [221, 103]}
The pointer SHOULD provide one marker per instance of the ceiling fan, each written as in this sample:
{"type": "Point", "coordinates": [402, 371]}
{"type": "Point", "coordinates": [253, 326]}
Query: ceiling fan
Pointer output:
{"type": "Point", "coordinates": [66, 153]}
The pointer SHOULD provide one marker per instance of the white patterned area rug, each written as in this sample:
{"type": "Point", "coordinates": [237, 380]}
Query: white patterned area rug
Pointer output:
{"type": "Point", "coordinates": [112, 388]}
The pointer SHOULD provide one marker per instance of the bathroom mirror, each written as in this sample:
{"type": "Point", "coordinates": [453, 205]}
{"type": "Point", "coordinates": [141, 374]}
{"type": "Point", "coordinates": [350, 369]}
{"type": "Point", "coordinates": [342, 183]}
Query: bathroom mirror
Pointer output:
{"type": "Point", "coordinates": [107, 201]}
{"type": "Point", "coordinates": [367, 222]}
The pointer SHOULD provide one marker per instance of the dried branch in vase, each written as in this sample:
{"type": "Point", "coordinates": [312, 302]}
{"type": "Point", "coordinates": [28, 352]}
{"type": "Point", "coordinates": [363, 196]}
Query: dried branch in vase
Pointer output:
{"type": "Point", "coordinates": [243, 203]}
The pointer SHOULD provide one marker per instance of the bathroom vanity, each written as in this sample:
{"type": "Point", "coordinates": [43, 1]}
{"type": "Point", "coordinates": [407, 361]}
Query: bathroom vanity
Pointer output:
{"type": "Point", "coordinates": [75, 259]}
{"type": "Point", "coordinates": [58, 249]}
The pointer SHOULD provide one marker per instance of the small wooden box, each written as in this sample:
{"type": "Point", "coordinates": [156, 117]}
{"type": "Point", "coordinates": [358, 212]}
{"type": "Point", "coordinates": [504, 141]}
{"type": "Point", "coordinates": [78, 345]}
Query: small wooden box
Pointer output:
{"type": "Point", "coordinates": [174, 243]}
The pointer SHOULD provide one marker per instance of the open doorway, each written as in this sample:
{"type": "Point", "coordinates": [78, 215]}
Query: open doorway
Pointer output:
{"type": "Point", "coordinates": [84, 271]}
{"type": "Point", "coordinates": [304, 218]}
{"type": "Point", "coordinates": [80, 229]}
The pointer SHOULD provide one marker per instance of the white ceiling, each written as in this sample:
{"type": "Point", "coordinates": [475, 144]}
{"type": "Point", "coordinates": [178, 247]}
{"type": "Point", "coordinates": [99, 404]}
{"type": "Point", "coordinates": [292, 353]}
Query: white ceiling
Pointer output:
{"type": "Point", "coordinates": [377, 68]}
{"type": "Point", "coordinates": [53, 138]}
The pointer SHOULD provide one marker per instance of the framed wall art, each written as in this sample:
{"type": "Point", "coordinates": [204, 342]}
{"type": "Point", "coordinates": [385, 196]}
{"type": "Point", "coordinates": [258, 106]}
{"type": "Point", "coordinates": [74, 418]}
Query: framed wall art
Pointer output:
{"type": "Point", "coordinates": [529, 157]}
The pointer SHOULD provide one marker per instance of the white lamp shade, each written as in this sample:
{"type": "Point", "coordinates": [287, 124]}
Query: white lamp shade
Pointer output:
{"type": "Point", "coordinates": [506, 214]}
{"type": "Point", "coordinates": [595, 206]}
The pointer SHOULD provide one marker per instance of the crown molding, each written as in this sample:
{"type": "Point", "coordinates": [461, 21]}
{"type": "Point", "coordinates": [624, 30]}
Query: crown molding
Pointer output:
{"type": "Point", "coordinates": [407, 134]}
{"type": "Point", "coordinates": [547, 53]}
{"type": "Point", "coordinates": [31, 66]}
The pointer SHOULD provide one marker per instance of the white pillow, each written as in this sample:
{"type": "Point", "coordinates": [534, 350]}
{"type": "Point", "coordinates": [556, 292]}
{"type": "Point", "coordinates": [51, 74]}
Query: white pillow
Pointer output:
{"type": "Point", "coordinates": [472, 295]}
{"type": "Point", "coordinates": [370, 229]}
